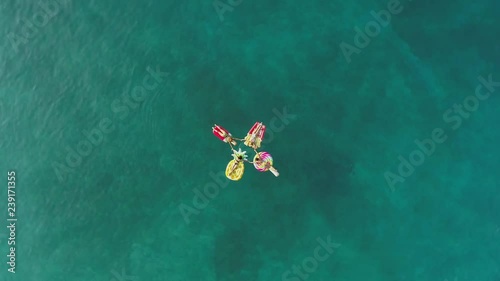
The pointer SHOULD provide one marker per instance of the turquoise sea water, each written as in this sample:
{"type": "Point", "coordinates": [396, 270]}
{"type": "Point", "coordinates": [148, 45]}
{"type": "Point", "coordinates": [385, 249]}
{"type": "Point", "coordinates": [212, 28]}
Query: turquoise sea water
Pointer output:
{"type": "Point", "coordinates": [386, 144]}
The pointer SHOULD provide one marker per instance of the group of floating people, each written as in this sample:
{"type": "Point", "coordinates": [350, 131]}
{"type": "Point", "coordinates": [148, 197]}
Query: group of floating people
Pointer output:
{"type": "Point", "coordinates": [262, 161]}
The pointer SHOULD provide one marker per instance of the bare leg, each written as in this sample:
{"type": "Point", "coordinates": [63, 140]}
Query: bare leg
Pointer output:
{"type": "Point", "coordinates": [234, 167]}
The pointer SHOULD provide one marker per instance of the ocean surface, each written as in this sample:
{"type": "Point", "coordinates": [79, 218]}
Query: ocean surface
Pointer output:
{"type": "Point", "coordinates": [382, 119]}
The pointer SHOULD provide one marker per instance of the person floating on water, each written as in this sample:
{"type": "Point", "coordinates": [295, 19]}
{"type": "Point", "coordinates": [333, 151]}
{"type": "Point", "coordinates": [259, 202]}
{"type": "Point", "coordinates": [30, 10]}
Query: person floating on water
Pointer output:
{"type": "Point", "coordinates": [255, 136]}
{"type": "Point", "coordinates": [262, 161]}
{"type": "Point", "coordinates": [223, 134]}
{"type": "Point", "coordinates": [235, 168]}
